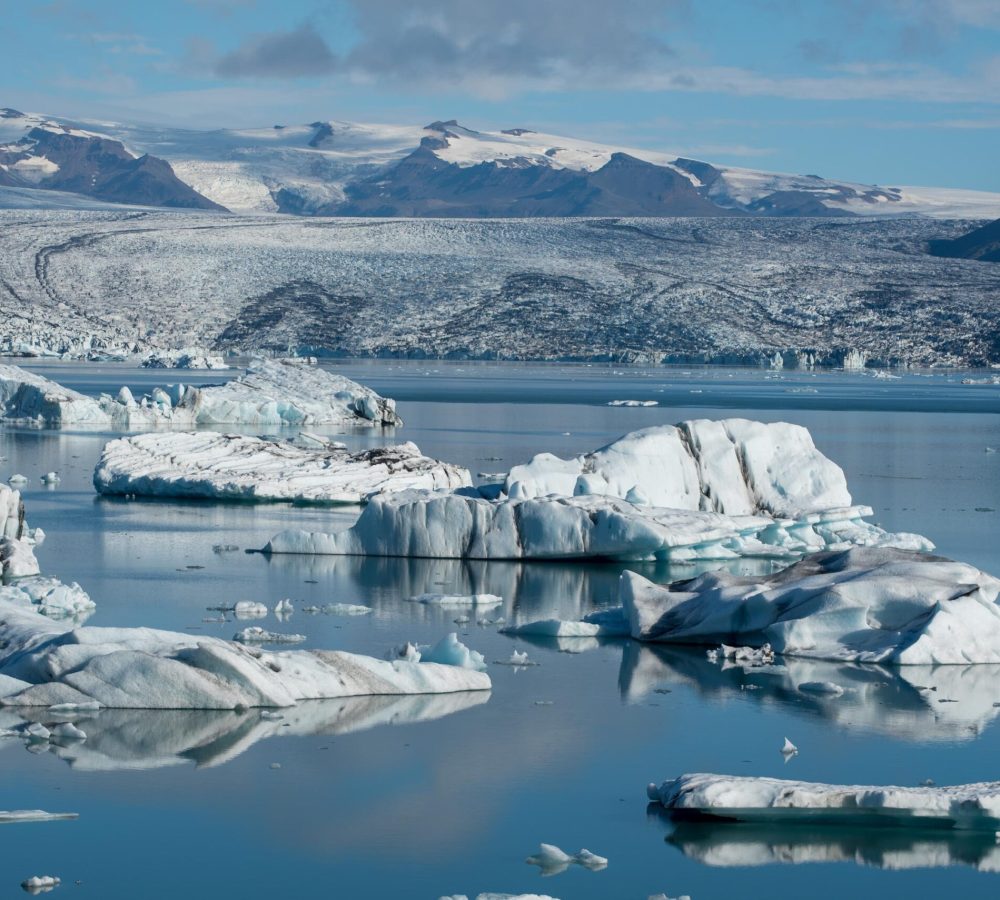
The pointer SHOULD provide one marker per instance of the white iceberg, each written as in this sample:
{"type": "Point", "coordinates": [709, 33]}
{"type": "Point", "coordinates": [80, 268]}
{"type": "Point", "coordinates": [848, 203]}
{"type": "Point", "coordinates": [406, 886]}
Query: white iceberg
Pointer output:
{"type": "Point", "coordinates": [249, 609]}
{"type": "Point", "coordinates": [237, 467]}
{"type": "Point", "coordinates": [12, 525]}
{"type": "Point", "coordinates": [870, 605]}
{"type": "Point", "coordinates": [774, 801]}
{"type": "Point", "coordinates": [50, 597]}
{"type": "Point", "coordinates": [34, 815]}
{"type": "Point", "coordinates": [737, 467]}
{"type": "Point", "coordinates": [272, 392]}
{"type": "Point", "coordinates": [457, 524]}
{"type": "Point", "coordinates": [552, 860]}
{"type": "Point", "coordinates": [457, 599]}
{"type": "Point", "coordinates": [254, 634]}
{"type": "Point", "coordinates": [145, 668]}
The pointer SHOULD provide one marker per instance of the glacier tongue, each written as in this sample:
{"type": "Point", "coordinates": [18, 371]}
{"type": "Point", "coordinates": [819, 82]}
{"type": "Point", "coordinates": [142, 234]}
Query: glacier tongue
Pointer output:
{"type": "Point", "coordinates": [272, 392]}
{"type": "Point", "coordinates": [237, 467]}
{"type": "Point", "coordinates": [870, 605]}
{"type": "Point", "coordinates": [774, 800]}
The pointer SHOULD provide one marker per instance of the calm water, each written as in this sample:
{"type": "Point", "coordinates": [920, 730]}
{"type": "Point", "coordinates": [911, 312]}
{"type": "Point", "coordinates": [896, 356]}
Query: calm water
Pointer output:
{"type": "Point", "coordinates": [419, 797]}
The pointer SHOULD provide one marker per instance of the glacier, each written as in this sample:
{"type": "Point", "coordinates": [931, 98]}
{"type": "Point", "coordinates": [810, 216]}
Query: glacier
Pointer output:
{"type": "Point", "coordinates": [237, 467]}
{"type": "Point", "coordinates": [271, 392]}
{"type": "Point", "coordinates": [701, 490]}
{"type": "Point", "coordinates": [869, 605]}
{"type": "Point", "coordinates": [966, 807]}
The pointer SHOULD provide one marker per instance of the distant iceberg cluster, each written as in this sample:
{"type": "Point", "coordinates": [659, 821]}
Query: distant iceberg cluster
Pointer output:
{"type": "Point", "coordinates": [272, 392]}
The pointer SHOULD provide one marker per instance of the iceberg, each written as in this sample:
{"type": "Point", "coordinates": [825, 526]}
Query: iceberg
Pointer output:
{"type": "Point", "coordinates": [183, 358]}
{"type": "Point", "coordinates": [868, 605]}
{"type": "Point", "coordinates": [12, 525]}
{"type": "Point", "coordinates": [736, 467]}
{"type": "Point", "coordinates": [701, 490]}
{"type": "Point", "coordinates": [450, 651]}
{"type": "Point", "coordinates": [773, 801]}
{"type": "Point", "coordinates": [144, 668]}
{"type": "Point", "coordinates": [272, 392]}
{"type": "Point", "coordinates": [464, 524]}
{"type": "Point", "coordinates": [34, 815]}
{"type": "Point", "coordinates": [207, 464]}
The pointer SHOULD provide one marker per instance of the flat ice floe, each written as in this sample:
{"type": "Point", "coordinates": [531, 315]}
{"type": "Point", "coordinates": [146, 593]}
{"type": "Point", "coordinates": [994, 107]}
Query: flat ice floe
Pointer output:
{"type": "Point", "coordinates": [869, 605]}
{"type": "Point", "coordinates": [271, 392]}
{"type": "Point", "coordinates": [971, 807]}
{"type": "Point", "coordinates": [701, 490]}
{"type": "Point", "coordinates": [207, 464]}
{"type": "Point", "coordinates": [144, 668]}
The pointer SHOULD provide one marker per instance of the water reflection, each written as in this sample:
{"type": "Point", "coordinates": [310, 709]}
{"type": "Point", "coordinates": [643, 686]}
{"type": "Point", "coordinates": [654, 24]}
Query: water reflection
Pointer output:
{"type": "Point", "coordinates": [150, 739]}
{"type": "Point", "coordinates": [728, 845]}
{"type": "Point", "coordinates": [911, 703]}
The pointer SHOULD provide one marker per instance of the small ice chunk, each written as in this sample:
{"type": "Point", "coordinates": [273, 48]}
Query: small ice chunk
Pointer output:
{"type": "Point", "coordinates": [457, 599]}
{"type": "Point", "coordinates": [250, 609]}
{"type": "Point", "coordinates": [17, 478]}
{"type": "Point", "coordinates": [788, 748]}
{"type": "Point", "coordinates": [450, 651]}
{"type": "Point", "coordinates": [283, 609]}
{"type": "Point", "coordinates": [519, 658]}
{"type": "Point", "coordinates": [37, 732]}
{"type": "Point", "coordinates": [408, 652]}
{"type": "Point", "coordinates": [254, 634]}
{"type": "Point", "coordinates": [51, 478]}
{"type": "Point", "coordinates": [39, 884]}
{"type": "Point", "coordinates": [34, 815]}
{"type": "Point", "coordinates": [552, 860]}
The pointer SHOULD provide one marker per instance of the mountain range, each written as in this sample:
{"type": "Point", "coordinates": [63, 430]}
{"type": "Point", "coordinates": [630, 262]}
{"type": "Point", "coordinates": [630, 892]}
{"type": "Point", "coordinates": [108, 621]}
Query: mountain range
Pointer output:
{"type": "Point", "coordinates": [441, 170]}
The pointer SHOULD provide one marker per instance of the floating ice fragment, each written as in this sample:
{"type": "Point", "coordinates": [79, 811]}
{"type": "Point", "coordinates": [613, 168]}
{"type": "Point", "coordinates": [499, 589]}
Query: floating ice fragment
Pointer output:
{"type": "Point", "coordinates": [14, 816]}
{"type": "Point", "coordinates": [552, 860]}
{"type": "Point", "coordinates": [283, 609]}
{"type": "Point", "coordinates": [254, 634]}
{"type": "Point", "coordinates": [40, 884]}
{"type": "Point", "coordinates": [457, 599]}
{"type": "Point", "coordinates": [17, 478]}
{"type": "Point", "coordinates": [788, 748]}
{"type": "Point", "coordinates": [450, 651]}
{"type": "Point", "coordinates": [519, 659]}
{"type": "Point", "coordinates": [51, 478]}
{"type": "Point", "coordinates": [37, 732]}
{"type": "Point", "coordinates": [67, 731]}
{"type": "Point", "coordinates": [250, 609]}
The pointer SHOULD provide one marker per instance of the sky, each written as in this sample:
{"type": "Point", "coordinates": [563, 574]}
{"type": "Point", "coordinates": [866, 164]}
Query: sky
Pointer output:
{"type": "Point", "coordinates": [878, 91]}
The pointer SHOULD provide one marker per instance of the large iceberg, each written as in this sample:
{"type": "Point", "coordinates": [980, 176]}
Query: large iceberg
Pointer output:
{"type": "Point", "coordinates": [737, 467]}
{"type": "Point", "coordinates": [272, 392]}
{"type": "Point", "coordinates": [183, 358]}
{"type": "Point", "coordinates": [700, 490]}
{"type": "Point", "coordinates": [46, 664]}
{"type": "Point", "coordinates": [973, 807]}
{"type": "Point", "coordinates": [238, 467]}
{"type": "Point", "coordinates": [465, 524]}
{"type": "Point", "coordinates": [871, 605]}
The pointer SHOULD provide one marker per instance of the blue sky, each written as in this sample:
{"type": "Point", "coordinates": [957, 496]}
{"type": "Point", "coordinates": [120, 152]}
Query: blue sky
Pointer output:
{"type": "Point", "coordinates": [886, 91]}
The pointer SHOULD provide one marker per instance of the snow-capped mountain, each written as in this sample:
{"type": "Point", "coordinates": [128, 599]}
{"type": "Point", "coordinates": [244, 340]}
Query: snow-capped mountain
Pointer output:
{"type": "Point", "coordinates": [439, 170]}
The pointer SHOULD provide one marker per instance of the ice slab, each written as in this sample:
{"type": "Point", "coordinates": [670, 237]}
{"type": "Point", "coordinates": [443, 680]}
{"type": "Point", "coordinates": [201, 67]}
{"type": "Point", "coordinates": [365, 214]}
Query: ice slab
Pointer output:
{"type": "Point", "coordinates": [183, 358]}
{"type": "Point", "coordinates": [34, 815]}
{"type": "Point", "coordinates": [272, 392]}
{"type": "Point", "coordinates": [144, 668]}
{"type": "Point", "coordinates": [872, 605]}
{"type": "Point", "coordinates": [737, 467]}
{"type": "Point", "coordinates": [237, 467]}
{"type": "Point", "coordinates": [457, 524]}
{"type": "Point", "coordinates": [971, 807]}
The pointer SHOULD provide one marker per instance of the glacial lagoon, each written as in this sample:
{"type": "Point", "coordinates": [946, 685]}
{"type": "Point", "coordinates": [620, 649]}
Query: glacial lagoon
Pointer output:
{"type": "Point", "coordinates": [430, 796]}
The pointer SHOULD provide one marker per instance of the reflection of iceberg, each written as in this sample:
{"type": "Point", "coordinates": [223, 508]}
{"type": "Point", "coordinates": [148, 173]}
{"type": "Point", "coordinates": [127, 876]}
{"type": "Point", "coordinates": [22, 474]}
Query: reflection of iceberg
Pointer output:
{"type": "Point", "coordinates": [778, 801]}
{"type": "Point", "coordinates": [901, 703]}
{"type": "Point", "coordinates": [147, 739]}
{"type": "Point", "coordinates": [745, 845]}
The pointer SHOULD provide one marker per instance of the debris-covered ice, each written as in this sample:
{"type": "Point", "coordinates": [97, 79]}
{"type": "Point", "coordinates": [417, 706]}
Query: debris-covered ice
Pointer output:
{"type": "Point", "coordinates": [239, 467]}
{"type": "Point", "coordinates": [774, 801]}
{"type": "Point", "coordinates": [272, 392]}
{"type": "Point", "coordinates": [874, 605]}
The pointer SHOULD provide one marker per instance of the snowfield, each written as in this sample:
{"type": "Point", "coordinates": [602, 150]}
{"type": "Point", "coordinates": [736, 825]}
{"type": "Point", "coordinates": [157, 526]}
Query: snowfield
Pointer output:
{"type": "Point", "coordinates": [762, 291]}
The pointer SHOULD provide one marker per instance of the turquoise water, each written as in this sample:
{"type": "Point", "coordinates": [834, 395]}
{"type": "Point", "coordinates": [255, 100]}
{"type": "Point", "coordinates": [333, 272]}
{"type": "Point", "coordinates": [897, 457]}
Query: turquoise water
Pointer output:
{"type": "Point", "coordinates": [418, 798]}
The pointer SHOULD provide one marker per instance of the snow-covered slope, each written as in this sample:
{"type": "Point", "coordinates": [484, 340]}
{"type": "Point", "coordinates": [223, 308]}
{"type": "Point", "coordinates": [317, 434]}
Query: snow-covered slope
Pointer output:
{"type": "Point", "coordinates": [439, 170]}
